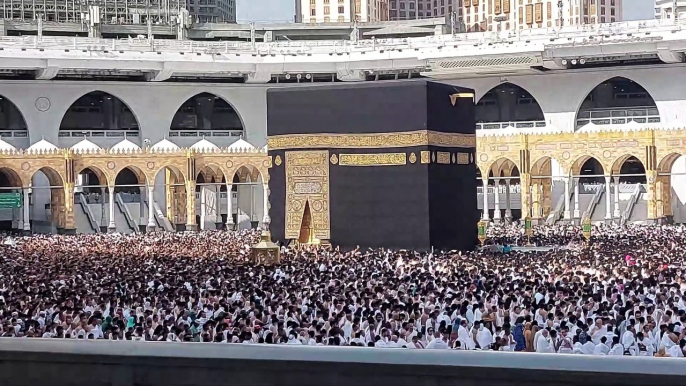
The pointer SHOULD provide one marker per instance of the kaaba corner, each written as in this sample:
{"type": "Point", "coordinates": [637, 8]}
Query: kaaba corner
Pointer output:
{"type": "Point", "coordinates": [379, 166]}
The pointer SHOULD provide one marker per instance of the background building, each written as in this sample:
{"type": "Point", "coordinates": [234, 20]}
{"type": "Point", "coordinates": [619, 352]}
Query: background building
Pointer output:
{"type": "Point", "coordinates": [212, 11]}
{"type": "Point", "coordinates": [495, 15]}
{"type": "Point", "coordinates": [340, 11]}
{"type": "Point", "coordinates": [420, 9]}
{"type": "Point", "coordinates": [663, 8]}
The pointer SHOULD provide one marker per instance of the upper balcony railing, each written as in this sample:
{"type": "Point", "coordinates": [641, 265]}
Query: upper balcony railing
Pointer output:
{"type": "Point", "coordinates": [618, 116]}
{"type": "Point", "coordinates": [98, 133]}
{"type": "Point", "coordinates": [504, 125]}
{"type": "Point", "coordinates": [573, 35]}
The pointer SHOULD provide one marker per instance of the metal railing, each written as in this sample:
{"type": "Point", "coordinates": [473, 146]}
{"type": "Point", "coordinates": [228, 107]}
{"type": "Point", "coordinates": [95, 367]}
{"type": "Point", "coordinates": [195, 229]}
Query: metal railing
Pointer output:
{"type": "Point", "coordinates": [127, 214]}
{"type": "Point", "coordinates": [87, 210]}
{"type": "Point", "coordinates": [626, 215]}
{"type": "Point", "coordinates": [212, 133]}
{"type": "Point", "coordinates": [98, 133]}
{"type": "Point", "coordinates": [592, 205]}
{"type": "Point", "coordinates": [554, 215]}
{"type": "Point", "coordinates": [502, 189]}
{"type": "Point", "coordinates": [503, 125]}
{"type": "Point", "coordinates": [14, 134]}
{"type": "Point", "coordinates": [618, 116]}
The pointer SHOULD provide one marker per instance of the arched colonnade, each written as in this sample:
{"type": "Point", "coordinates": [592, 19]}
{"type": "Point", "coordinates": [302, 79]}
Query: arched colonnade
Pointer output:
{"type": "Point", "coordinates": [136, 168]}
{"type": "Point", "coordinates": [607, 160]}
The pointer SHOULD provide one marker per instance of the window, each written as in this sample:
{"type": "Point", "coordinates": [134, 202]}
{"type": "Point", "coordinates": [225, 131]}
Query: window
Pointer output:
{"type": "Point", "coordinates": [341, 19]}
{"type": "Point", "coordinates": [412, 15]}
{"type": "Point", "coordinates": [327, 19]}
{"type": "Point", "coordinates": [602, 19]}
{"type": "Point", "coordinates": [313, 12]}
{"type": "Point", "coordinates": [393, 14]}
{"type": "Point", "coordinates": [394, 4]}
{"type": "Point", "coordinates": [420, 6]}
{"type": "Point", "coordinates": [313, 20]}
{"type": "Point", "coordinates": [428, 13]}
{"type": "Point", "coordinates": [602, 11]}
{"type": "Point", "coordinates": [421, 14]}
{"type": "Point", "coordinates": [402, 5]}
{"type": "Point", "coordinates": [612, 11]}
{"type": "Point", "coordinates": [612, 20]}
{"type": "Point", "coordinates": [326, 10]}
{"type": "Point", "coordinates": [326, 1]}
{"type": "Point", "coordinates": [403, 14]}
{"type": "Point", "coordinates": [411, 5]}
{"type": "Point", "coordinates": [341, 9]}
{"type": "Point", "coordinates": [313, 2]}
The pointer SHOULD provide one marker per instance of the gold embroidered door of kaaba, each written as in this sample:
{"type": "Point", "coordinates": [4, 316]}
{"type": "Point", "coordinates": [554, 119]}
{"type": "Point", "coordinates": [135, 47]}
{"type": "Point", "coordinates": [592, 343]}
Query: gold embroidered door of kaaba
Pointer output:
{"type": "Point", "coordinates": [307, 185]}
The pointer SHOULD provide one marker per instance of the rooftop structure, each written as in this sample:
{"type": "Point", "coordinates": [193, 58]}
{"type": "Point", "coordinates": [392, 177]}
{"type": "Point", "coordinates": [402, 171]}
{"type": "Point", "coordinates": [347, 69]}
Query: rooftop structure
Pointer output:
{"type": "Point", "coordinates": [450, 55]}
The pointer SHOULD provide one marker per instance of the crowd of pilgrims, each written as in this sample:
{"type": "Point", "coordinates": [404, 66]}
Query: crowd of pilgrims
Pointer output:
{"type": "Point", "coordinates": [620, 294]}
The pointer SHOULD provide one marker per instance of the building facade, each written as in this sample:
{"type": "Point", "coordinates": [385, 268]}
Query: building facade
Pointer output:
{"type": "Point", "coordinates": [340, 11]}
{"type": "Point", "coordinates": [663, 9]}
{"type": "Point", "coordinates": [212, 11]}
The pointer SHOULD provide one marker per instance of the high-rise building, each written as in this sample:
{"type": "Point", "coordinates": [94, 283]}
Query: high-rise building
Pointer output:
{"type": "Point", "coordinates": [212, 11]}
{"type": "Point", "coordinates": [496, 15]}
{"type": "Point", "coordinates": [342, 11]}
{"type": "Point", "coordinates": [663, 8]}
{"type": "Point", "coordinates": [422, 9]}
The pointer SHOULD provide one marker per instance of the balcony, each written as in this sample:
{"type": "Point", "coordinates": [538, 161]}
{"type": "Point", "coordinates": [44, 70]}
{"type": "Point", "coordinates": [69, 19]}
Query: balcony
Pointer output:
{"type": "Point", "coordinates": [640, 115]}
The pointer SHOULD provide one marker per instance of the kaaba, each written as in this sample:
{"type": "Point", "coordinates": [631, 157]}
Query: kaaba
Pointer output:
{"type": "Point", "coordinates": [378, 165]}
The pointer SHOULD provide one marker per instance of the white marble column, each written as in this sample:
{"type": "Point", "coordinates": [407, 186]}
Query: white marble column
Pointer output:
{"type": "Point", "coordinates": [496, 213]}
{"type": "Point", "coordinates": [616, 211]}
{"type": "Point", "coordinates": [508, 208]}
{"type": "Point", "coordinates": [111, 226]}
{"type": "Point", "coordinates": [486, 216]}
{"type": "Point", "coordinates": [229, 207]}
{"type": "Point", "coordinates": [151, 209]}
{"type": "Point", "coordinates": [203, 209]}
{"type": "Point", "coordinates": [608, 199]}
{"type": "Point", "coordinates": [266, 219]}
{"type": "Point", "coordinates": [25, 205]}
{"type": "Point", "coordinates": [217, 206]}
{"type": "Point", "coordinates": [567, 212]}
{"type": "Point", "coordinates": [577, 214]}
{"type": "Point", "coordinates": [141, 206]}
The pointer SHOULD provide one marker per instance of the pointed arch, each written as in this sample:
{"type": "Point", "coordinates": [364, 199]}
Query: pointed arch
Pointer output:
{"type": "Point", "coordinates": [11, 118]}
{"type": "Point", "coordinates": [617, 101]}
{"type": "Point", "coordinates": [93, 180]}
{"type": "Point", "coordinates": [503, 167]}
{"type": "Point", "coordinates": [207, 112]}
{"type": "Point", "coordinates": [589, 169]}
{"type": "Point", "coordinates": [98, 111]}
{"type": "Point", "coordinates": [9, 178]}
{"type": "Point", "coordinates": [506, 104]}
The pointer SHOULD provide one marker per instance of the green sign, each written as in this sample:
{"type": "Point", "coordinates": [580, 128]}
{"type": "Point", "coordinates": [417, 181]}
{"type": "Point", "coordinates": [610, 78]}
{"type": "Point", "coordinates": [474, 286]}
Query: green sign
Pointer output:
{"type": "Point", "coordinates": [10, 200]}
{"type": "Point", "coordinates": [482, 229]}
{"type": "Point", "coordinates": [586, 228]}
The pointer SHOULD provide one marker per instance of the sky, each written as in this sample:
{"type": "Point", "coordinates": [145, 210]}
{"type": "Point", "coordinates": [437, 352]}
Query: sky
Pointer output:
{"type": "Point", "coordinates": [283, 10]}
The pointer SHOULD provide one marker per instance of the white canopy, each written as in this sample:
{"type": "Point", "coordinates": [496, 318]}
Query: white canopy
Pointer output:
{"type": "Point", "coordinates": [164, 145]}
{"type": "Point", "coordinates": [204, 145]}
{"type": "Point", "coordinates": [85, 146]}
{"type": "Point", "coordinates": [124, 146]}
{"type": "Point", "coordinates": [241, 145]}
{"type": "Point", "coordinates": [42, 146]}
